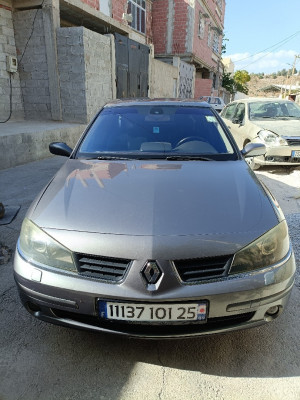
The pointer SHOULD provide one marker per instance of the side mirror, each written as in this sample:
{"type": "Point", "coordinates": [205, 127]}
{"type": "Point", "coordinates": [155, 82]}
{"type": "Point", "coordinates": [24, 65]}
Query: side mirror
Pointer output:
{"type": "Point", "coordinates": [236, 121]}
{"type": "Point", "coordinates": [60, 149]}
{"type": "Point", "coordinates": [254, 150]}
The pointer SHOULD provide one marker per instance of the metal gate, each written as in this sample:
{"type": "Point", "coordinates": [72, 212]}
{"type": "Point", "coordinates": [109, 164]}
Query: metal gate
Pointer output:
{"type": "Point", "coordinates": [132, 62]}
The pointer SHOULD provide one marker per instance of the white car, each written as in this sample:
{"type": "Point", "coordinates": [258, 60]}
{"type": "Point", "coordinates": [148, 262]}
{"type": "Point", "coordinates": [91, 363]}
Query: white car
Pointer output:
{"type": "Point", "coordinates": [273, 122]}
{"type": "Point", "coordinates": [216, 102]}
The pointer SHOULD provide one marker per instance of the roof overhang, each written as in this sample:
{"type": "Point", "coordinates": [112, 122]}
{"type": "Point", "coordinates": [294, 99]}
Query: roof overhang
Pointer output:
{"type": "Point", "coordinates": [77, 13]}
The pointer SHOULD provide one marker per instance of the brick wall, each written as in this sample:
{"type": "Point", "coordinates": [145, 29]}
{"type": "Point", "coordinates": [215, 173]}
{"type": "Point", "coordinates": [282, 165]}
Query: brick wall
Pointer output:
{"type": "Point", "coordinates": [119, 7]}
{"type": "Point", "coordinates": [200, 44]}
{"type": "Point", "coordinates": [180, 26]}
{"type": "Point", "coordinates": [92, 3]}
{"type": "Point", "coordinates": [33, 66]}
{"type": "Point", "coordinates": [160, 25]}
{"type": "Point", "coordinates": [203, 87]}
{"type": "Point", "coordinates": [8, 48]}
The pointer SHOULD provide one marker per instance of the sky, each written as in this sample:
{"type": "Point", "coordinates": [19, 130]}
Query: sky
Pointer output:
{"type": "Point", "coordinates": [265, 33]}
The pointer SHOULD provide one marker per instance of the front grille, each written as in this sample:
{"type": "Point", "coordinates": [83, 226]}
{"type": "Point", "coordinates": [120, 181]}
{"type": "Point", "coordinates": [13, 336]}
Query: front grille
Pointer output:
{"type": "Point", "coordinates": [293, 141]}
{"type": "Point", "coordinates": [104, 268]}
{"type": "Point", "coordinates": [165, 329]}
{"type": "Point", "coordinates": [199, 269]}
{"type": "Point", "coordinates": [278, 159]}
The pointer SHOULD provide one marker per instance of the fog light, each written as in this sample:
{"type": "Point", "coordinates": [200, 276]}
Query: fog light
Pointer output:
{"type": "Point", "coordinates": [273, 310]}
{"type": "Point", "coordinates": [32, 308]}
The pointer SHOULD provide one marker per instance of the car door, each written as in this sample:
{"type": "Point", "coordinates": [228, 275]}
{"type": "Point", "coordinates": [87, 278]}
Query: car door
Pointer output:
{"type": "Point", "coordinates": [228, 113]}
{"type": "Point", "coordinates": [238, 126]}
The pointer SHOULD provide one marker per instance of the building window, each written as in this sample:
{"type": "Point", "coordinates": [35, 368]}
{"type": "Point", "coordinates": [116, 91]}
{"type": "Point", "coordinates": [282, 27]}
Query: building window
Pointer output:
{"type": "Point", "coordinates": [220, 4]}
{"type": "Point", "coordinates": [137, 8]}
{"type": "Point", "coordinates": [215, 45]}
{"type": "Point", "coordinates": [201, 27]}
{"type": "Point", "coordinates": [209, 37]}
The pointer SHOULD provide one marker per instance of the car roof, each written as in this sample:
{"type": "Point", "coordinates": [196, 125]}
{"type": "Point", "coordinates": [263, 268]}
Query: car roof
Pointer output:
{"type": "Point", "coordinates": [157, 102]}
{"type": "Point", "coordinates": [262, 99]}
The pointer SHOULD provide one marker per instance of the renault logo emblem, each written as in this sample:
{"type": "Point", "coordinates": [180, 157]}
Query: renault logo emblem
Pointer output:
{"type": "Point", "coordinates": [151, 272]}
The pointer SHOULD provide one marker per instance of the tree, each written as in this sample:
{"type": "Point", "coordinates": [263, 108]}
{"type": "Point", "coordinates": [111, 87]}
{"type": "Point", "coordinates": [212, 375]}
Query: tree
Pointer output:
{"type": "Point", "coordinates": [228, 82]}
{"type": "Point", "coordinates": [223, 50]}
{"type": "Point", "coordinates": [241, 78]}
{"type": "Point", "coordinates": [237, 83]}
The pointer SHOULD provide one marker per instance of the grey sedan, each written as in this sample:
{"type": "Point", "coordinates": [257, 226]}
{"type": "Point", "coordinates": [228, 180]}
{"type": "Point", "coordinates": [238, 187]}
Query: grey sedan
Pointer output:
{"type": "Point", "coordinates": [155, 227]}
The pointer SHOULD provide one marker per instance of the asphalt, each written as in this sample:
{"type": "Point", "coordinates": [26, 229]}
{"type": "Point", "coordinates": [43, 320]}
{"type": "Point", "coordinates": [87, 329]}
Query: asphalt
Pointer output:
{"type": "Point", "coordinates": [39, 361]}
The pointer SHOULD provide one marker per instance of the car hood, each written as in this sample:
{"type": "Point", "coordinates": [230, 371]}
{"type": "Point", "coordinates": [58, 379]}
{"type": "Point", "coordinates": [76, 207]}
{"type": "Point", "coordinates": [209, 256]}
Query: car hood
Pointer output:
{"type": "Point", "coordinates": [280, 127]}
{"type": "Point", "coordinates": [155, 198]}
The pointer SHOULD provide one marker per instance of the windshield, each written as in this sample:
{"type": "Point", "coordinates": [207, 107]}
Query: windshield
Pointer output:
{"type": "Point", "coordinates": [273, 110]}
{"type": "Point", "coordinates": [156, 131]}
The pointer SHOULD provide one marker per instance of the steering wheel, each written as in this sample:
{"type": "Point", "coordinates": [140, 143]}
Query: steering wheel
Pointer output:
{"type": "Point", "coordinates": [190, 139]}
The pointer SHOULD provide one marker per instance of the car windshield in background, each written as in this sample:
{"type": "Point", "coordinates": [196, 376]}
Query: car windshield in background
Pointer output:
{"type": "Point", "coordinates": [273, 110]}
{"type": "Point", "coordinates": [143, 131]}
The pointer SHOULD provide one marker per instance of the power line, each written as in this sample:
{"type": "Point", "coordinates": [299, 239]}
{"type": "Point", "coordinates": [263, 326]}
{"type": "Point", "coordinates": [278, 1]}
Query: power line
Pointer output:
{"type": "Point", "coordinates": [277, 45]}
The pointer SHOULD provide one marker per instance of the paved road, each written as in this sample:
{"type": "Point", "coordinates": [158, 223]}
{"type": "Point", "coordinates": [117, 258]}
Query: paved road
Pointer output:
{"type": "Point", "coordinates": [43, 361]}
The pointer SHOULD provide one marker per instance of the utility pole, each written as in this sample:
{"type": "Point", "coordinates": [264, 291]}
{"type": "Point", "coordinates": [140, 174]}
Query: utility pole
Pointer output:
{"type": "Point", "coordinates": [293, 70]}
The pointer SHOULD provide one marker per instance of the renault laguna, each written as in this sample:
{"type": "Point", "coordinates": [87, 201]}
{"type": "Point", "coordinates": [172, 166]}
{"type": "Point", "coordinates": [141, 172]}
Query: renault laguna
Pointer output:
{"type": "Point", "coordinates": [155, 227]}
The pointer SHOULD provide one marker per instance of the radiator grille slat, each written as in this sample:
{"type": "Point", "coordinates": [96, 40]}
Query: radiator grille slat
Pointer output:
{"type": "Point", "coordinates": [104, 268]}
{"type": "Point", "coordinates": [195, 270]}
{"type": "Point", "coordinates": [295, 141]}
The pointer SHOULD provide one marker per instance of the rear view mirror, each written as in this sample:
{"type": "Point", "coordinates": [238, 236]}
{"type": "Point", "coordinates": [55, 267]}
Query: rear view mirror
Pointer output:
{"type": "Point", "coordinates": [60, 149]}
{"type": "Point", "coordinates": [236, 121]}
{"type": "Point", "coordinates": [254, 150]}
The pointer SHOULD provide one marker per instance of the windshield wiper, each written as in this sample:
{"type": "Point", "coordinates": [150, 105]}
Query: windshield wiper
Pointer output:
{"type": "Point", "coordinates": [112, 158]}
{"type": "Point", "coordinates": [188, 158]}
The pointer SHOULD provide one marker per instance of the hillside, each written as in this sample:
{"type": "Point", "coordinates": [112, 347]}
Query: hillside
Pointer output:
{"type": "Point", "coordinates": [255, 84]}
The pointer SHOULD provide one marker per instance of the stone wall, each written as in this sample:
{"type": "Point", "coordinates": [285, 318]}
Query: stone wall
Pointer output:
{"type": "Point", "coordinates": [31, 50]}
{"type": "Point", "coordinates": [163, 79]}
{"type": "Point", "coordinates": [99, 70]}
{"type": "Point", "coordinates": [31, 142]}
{"type": "Point", "coordinates": [86, 72]}
{"type": "Point", "coordinates": [71, 67]}
{"type": "Point", "coordinates": [8, 48]}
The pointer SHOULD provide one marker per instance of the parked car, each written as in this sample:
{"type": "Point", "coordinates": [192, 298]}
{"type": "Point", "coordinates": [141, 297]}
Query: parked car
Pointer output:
{"type": "Point", "coordinates": [273, 122]}
{"type": "Point", "coordinates": [155, 227]}
{"type": "Point", "coordinates": [216, 102]}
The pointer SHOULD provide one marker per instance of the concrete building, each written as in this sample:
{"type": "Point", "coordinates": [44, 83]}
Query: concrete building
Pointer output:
{"type": "Point", "coordinates": [228, 65]}
{"type": "Point", "coordinates": [62, 60]}
{"type": "Point", "coordinates": [193, 31]}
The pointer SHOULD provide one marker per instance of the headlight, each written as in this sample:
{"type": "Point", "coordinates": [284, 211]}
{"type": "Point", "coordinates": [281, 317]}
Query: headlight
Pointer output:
{"type": "Point", "coordinates": [38, 246]}
{"type": "Point", "coordinates": [271, 139]}
{"type": "Point", "coordinates": [268, 249]}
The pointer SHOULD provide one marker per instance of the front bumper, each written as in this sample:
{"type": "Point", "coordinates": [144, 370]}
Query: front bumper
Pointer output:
{"type": "Point", "coordinates": [280, 155]}
{"type": "Point", "coordinates": [236, 302]}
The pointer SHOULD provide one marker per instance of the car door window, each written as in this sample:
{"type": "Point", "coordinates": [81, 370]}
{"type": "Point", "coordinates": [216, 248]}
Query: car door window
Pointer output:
{"type": "Point", "coordinates": [229, 111]}
{"type": "Point", "coordinates": [239, 115]}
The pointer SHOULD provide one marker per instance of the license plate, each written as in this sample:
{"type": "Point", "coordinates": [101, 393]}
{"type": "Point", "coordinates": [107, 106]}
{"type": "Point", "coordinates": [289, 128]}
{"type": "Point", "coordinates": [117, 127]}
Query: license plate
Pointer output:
{"type": "Point", "coordinates": [153, 312]}
{"type": "Point", "coordinates": [296, 154]}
